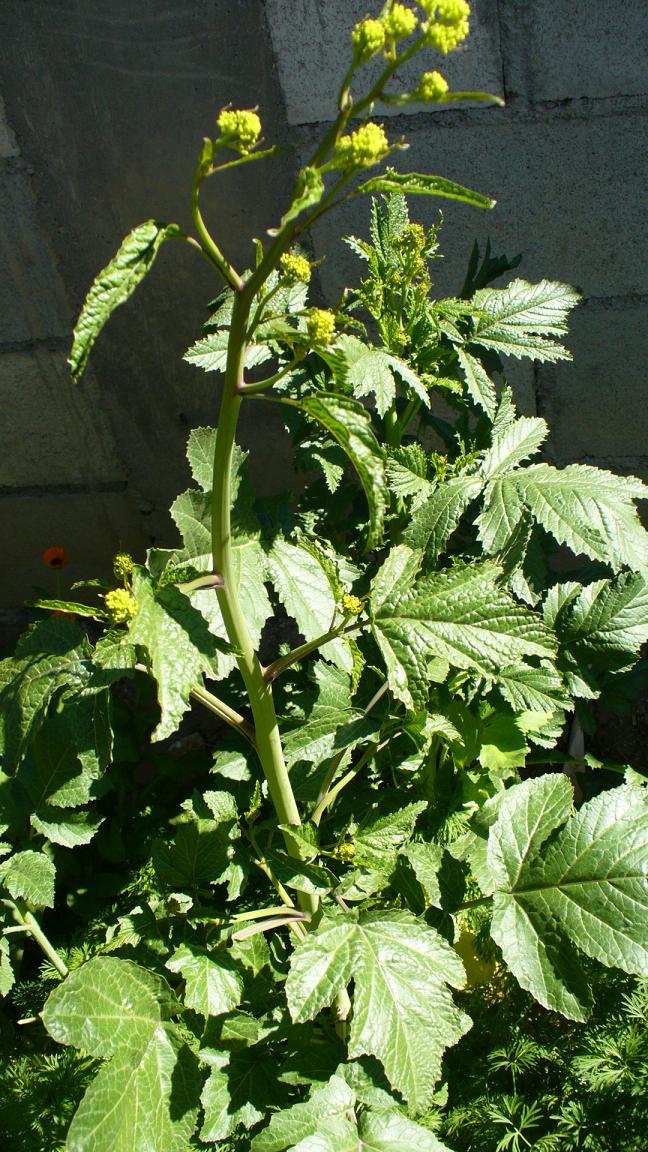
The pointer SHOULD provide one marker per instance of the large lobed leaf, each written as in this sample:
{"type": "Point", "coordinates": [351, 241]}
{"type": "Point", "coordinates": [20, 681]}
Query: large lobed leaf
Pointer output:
{"type": "Point", "coordinates": [114, 284]}
{"type": "Point", "coordinates": [463, 616]}
{"type": "Point", "coordinates": [588, 509]}
{"type": "Point", "coordinates": [582, 888]}
{"type": "Point", "coordinates": [403, 1011]}
{"type": "Point", "coordinates": [144, 1098]}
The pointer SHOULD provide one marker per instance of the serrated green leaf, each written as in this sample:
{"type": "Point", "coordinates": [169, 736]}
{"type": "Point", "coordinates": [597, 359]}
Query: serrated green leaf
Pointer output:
{"type": "Point", "coordinates": [521, 319]}
{"type": "Point", "coordinates": [396, 574]}
{"type": "Point", "coordinates": [210, 353]}
{"type": "Point", "coordinates": [433, 523]}
{"type": "Point", "coordinates": [140, 1101]}
{"type": "Point", "coordinates": [588, 509]}
{"type": "Point", "coordinates": [380, 837]}
{"type": "Point", "coordinates": [350, 425]}
{"type": "Point", "coordinates": [607, 618]}
{"type": "Point", "coordinates": [114, 284]}
{"type": "Point", "coordinates": [332, 724]}
{"type": "Point", "coordinates": [403, 1011]}
{"type": "Point", "coordinates": [52, 659]}
{"type": "Point", "coordinates": [303, 586]}
{"type": "Point", "coordinates": [241, 1088]}
{"type": "Point", "coordinates": [369, 370]}
{"type": "Point", "coordinates": [200, 454]}
{"type": "Point", "coordinates": [65, 762]}
{"type": "Point", "coordinates": [179, 645]}
{"type": "Point", "coordinates": [106, 1006]}
{"type": "Point", "coordinates": [29, 876]}
{"type": "Point", "coordinates": [513, 445]}
{"type": "Point", "coordinates": [584, 890]}
{"type": "Point", "coordinates": [298, 874]}
{"type": "Point", "coordinates": [336, 1100]}
{"type": "Point", "coordinates": [425, 860]}
{"type": "Point", "coordinates": [407, 473]}
{"type": "Point", "coordinates": [61, 826]}
{"type": "Point", "coordinates": [462, 616]}
{"type": "Point", "coordinates": [418, 184]}
{"type": "Point", "coordinates": [7, 977]}
{"type": "Point", "coordinates": [192, 514]}
{"type": "Point", "coordinates": [536, 689]}
{"type": "Point", "coordinates": [213, 985]}
{"type": "Point", "coordinates": [199, 854]}
{"type": "Point", "coordinates": [479, 384]}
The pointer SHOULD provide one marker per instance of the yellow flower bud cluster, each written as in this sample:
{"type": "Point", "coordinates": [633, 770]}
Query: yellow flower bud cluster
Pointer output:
{"type": "Point", "coordinates": [360, 149]}
{"type": "Point", "coordinates": [120, 606]}
{"type": "Point", "coordinates": [368, 39]}
{"type": "Point", "coordinates": [432, 86]}
{"type": "Point", "coordinates": [449, 23]}
{"type": "Point", "coordinates": [123, 565]}
{"type": "Point", "coordinates": [351, 605]}
{"type": "Point", "coordinates": [295, 269]}
{"type": "Point", "coordinates": [320, 326]}
{"type": "Point", "coordinates": [400, 22]}
{"type": "Point", "coordinates": [240, 129]}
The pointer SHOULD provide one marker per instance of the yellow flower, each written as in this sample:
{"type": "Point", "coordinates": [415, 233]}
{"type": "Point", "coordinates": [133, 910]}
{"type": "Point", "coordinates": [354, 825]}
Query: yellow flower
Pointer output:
{"type": "Point", "coordinates": [449, 24]}
{"type": "Point", "coordinates": [120, 606]}
{"type": "Point", "coordinates": [295, 269]}
{"type": "Point", "coordinates": [351, 605]}
{"type": "Point", "coordinates": [123, 565]}
{"type": "Point", "coordinates": [320, 325]}
{"type": "Point", "coordinates": [431, 86]}
{"type": "Point", "coordinates": [239, 128]}
{"type": "Point", "coordinates": [360, 149]}
{"type": "Point", "coordinates": [400, 22]}
{"type": "Point", "coordinates": [368, 39]}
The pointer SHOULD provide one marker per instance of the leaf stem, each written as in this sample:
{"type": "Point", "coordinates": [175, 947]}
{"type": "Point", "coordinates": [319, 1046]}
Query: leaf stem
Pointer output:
{"type": "Point", "coordinates": [28, 922]}
{"type": "Point", "coordinates": [224, 712]}
{"type": "Point", "coordinates": [207, 241]}
{"type": "Point", "coordinates": [278, 666]}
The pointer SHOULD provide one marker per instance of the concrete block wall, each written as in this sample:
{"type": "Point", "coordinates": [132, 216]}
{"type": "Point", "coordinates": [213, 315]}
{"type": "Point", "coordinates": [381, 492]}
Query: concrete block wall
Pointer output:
{"type": "Point", "coordinates": [104, 103]}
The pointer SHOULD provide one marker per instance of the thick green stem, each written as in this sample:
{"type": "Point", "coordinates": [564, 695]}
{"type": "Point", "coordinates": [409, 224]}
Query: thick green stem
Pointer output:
{"type": "Point", "coordinates": [267, 737]}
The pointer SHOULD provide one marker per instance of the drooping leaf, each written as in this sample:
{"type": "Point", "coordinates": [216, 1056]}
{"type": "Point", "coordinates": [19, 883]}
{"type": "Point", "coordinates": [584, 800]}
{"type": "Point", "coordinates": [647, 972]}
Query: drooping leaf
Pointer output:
{"type": "Point", "coordinates": [418, 184]}
{"type": "Point", "coordinates": [303, 585]}
{"type": "Point", "coordinates": [65, 762]}
{"type": "Point", "coordinates": [241, 1088]}
{"type": "Point", "coordinates": [213, 984]}
{"type": "Point", "coordinates": [29, 876]}
{"type": "Point", "coordinates": [350, 425]}
{"type": "Point", "coordinates": [403, 1011]}
{"type": "Point", "coordinates": [114, 284]}
{"type": "Point", "coordinates": [179, 645]}
{"type": "Point", "coordinates": [479, 384]}
{"type": "Point", "coordinates": [462, 616]}
{"type": "Point", "coordinates": [585, 890]}
{"type": "Point", "coordinates": [425, 860]}
{"type": "Point", "coordinates": [309, 191]}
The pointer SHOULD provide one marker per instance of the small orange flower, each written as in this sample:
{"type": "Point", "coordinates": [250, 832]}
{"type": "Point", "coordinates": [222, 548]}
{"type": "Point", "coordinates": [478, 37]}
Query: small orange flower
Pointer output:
{"type": "Point", "coordinates": [55, 557]}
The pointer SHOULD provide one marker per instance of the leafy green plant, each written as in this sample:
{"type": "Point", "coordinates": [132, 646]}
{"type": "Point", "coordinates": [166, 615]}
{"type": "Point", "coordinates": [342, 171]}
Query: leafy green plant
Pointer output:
{"type": "Point", "coordinates": [260, 945]}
